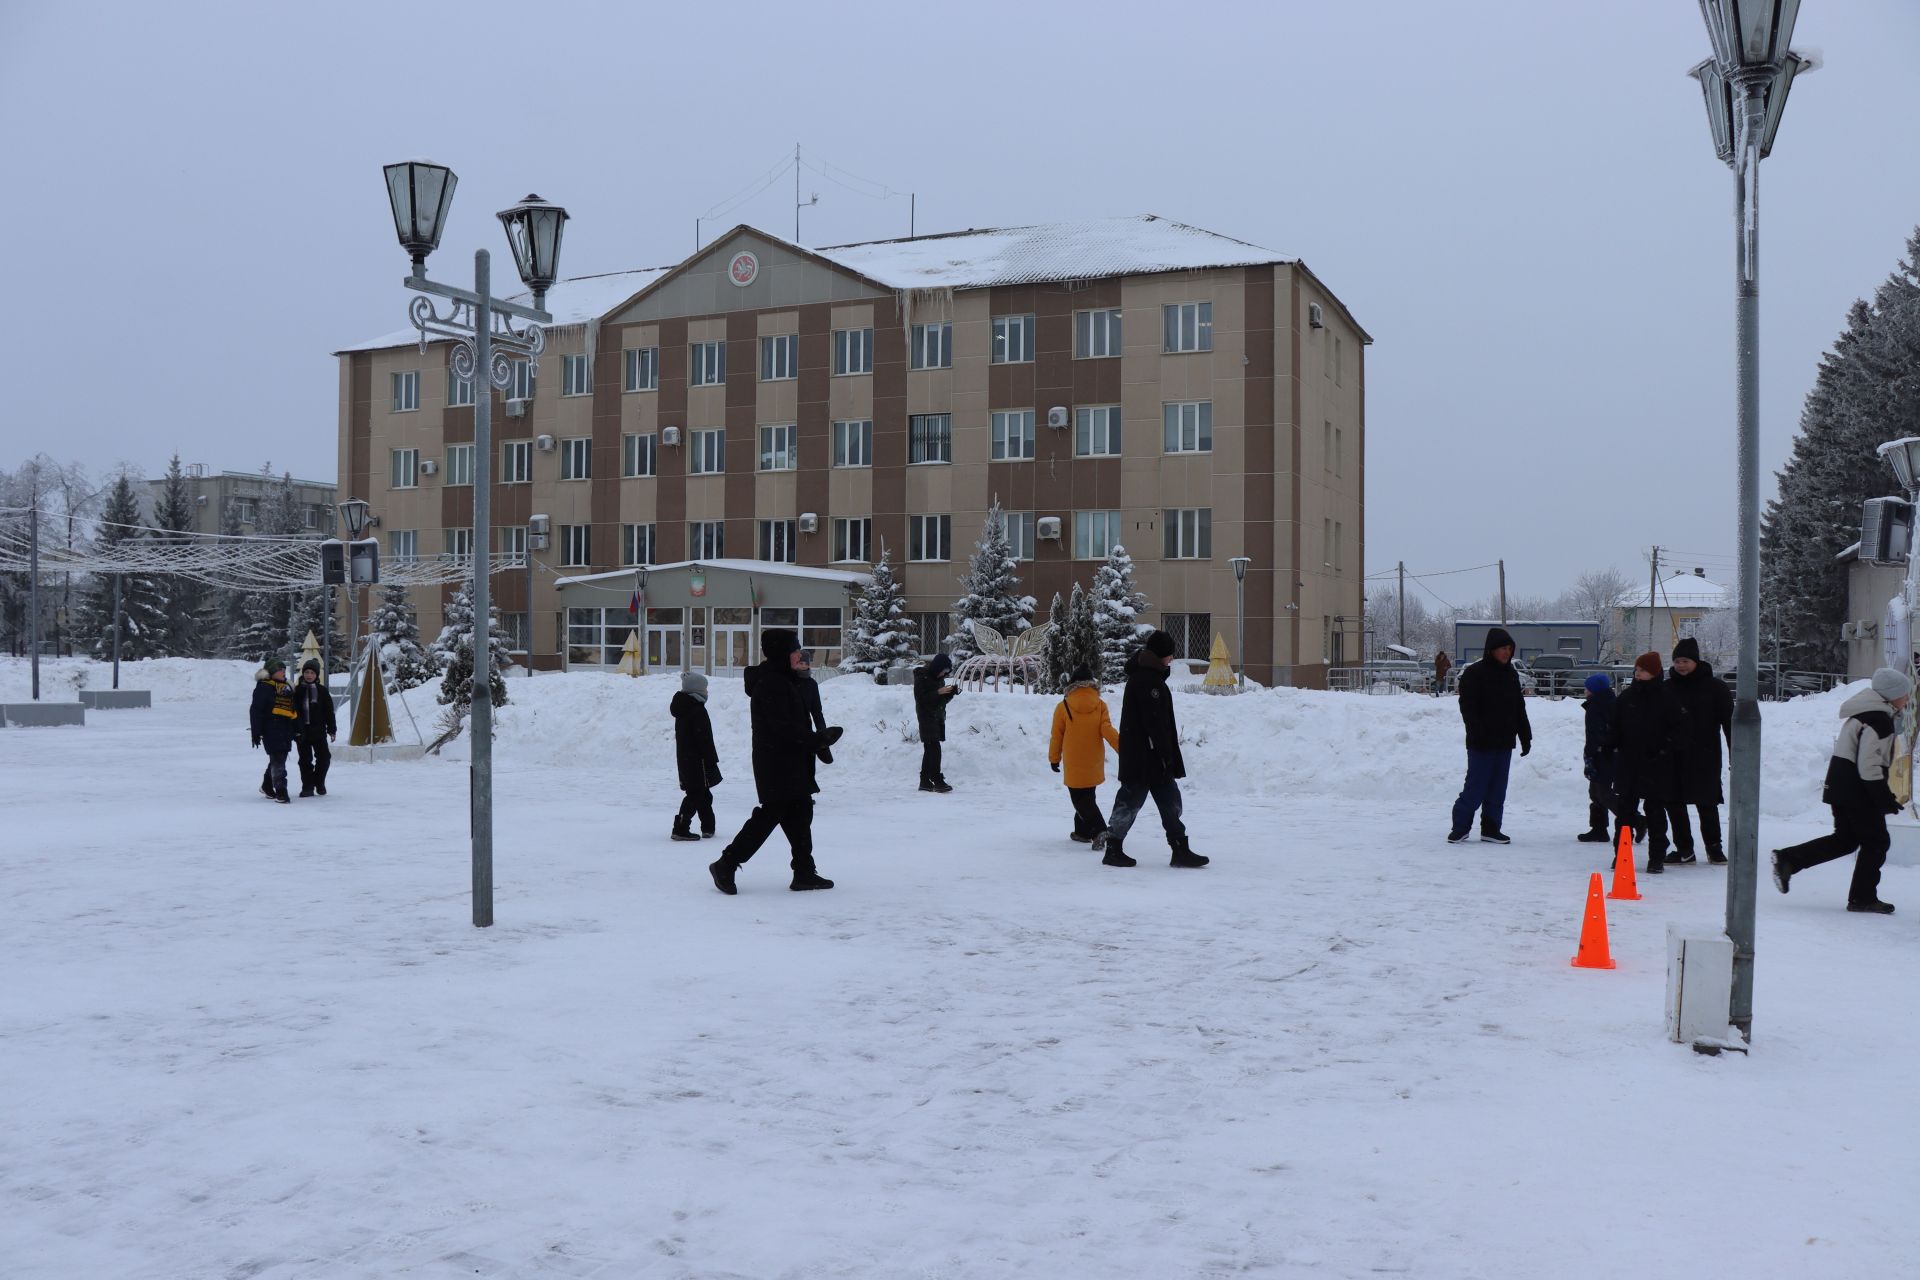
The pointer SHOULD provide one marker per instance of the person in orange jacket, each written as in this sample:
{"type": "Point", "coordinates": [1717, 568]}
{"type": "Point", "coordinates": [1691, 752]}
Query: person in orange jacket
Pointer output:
{"type": "Point", "coordinates": [1082, 731]}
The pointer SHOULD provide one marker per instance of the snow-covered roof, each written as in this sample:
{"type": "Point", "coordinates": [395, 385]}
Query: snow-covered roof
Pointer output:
{"type": "Point", "coordinates": [1085, 250]}
{"type": "Point", "coordinates": [1681, 591]}
{"type": "Point", "coordinates": [763, 568]}
{"type": "Point", "coordinates": [576, 301]}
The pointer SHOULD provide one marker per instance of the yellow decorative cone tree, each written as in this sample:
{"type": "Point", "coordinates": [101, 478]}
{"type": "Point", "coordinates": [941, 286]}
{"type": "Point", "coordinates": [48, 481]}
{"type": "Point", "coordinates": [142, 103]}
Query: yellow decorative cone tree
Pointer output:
{"type": "Point", "coordinates": [1219, 667]}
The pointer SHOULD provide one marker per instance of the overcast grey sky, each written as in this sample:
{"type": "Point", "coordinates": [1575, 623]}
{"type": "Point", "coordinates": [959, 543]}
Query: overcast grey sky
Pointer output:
{"type": "Point", "coordinates": [1518, 198]}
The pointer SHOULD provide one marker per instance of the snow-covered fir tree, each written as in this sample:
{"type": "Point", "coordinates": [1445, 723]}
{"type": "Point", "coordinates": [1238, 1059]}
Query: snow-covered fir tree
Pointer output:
{"type": "Point", "coordinates": [1083, 634]}
{"type": "Point", "coordinates": [1867, 392]}
{"type": "Point", "coordinates": [1055, 654]}
{"type": "Point", "coordinates": [183, 599]}
{"type": "Point", "coordinates": [1117, 607]}
{"type": "Point", "coordinates": [143, 619]}
{"type": "Point", "coordinates": [314, 614]}
{"type": "Point", "coordinates": [991, 591]}
{"type": "Point", "coordinates": [394, 632]}
{"type": "Point", "coordinates": [455, 649]}
{"type": "Point", "coordinates": [882, 635]}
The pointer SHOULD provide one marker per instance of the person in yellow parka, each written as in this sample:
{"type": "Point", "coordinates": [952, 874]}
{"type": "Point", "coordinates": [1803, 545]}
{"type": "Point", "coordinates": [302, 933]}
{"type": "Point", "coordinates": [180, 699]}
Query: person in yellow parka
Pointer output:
{"type": "Point", "coordinates": [1082, 731]}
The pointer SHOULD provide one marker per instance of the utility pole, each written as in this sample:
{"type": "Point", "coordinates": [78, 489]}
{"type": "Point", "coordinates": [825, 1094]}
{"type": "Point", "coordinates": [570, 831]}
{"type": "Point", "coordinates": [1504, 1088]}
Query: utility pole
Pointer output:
{"type": "Point", "coordinates": [116, 631]}
{"type": "Point", "coordinates": [1503, 592]}
{"type": "Point", "coordinates": [1403, 603]}
{"type": "Point", "coordinates": [1653, 586]}
{"type": "Point", "coordinates": [913, 212]}
{"type": "Point", "coordinates": [33, 588]}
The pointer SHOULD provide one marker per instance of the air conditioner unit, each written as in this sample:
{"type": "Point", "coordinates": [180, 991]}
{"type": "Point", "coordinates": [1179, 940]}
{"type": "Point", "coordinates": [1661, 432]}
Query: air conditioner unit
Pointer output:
{"type": "Point", "coordinates": [200, 501]}
{"type": "Point", "coordinates": [516, 408]}
{"type": "Point", "coordinates": [429, 467]}
{"type": "Point", "coordinates": [669, 435]}
{"type": "Point", "coordinates": [1886, 530]}
{"type": "Point", "coordinates": [809, 522]}
{"type": "Point", "coordinates": [1058, 417]}
{"type": "Point", "coordinates": [539, 524]}
{"type": "Point", "coordinates": [543, 443]}
{"type": "Point", "coordinates": [1314, 318]}
{"type": "Point", "coordinates": [1048, 528]}
{"type": "Point", "coordinates": [536, 542]}
{"type": "Point", "coordinates": [1846, 631]}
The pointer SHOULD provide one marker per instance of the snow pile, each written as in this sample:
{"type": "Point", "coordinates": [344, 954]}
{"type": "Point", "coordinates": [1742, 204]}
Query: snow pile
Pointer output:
{"type": "Point", "coordinates": [168, 679]}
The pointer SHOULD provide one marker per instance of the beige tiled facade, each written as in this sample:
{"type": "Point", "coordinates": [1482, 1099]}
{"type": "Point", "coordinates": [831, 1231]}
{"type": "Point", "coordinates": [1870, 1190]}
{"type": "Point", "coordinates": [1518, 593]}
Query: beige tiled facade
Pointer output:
{"type": "Point", "coordinates": [1284, 480]}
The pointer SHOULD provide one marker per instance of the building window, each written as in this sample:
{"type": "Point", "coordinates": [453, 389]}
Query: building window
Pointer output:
{"type": "Point", "coordinates": [930, 538]}
{"type": "Point", "coordinates": [709, 366]}
{"type": "Point", "coordinates": [1339, 361]}
{"type": "Point", "coordinates": [310, 515]}
{"type": "Point", "coordinates": [459, 464]}
{"type": "Point", "coordinates": [643, 368]}
{"type": "Point", "coordinates": [459, 391]}
{"type": "Point", "coordinates": [405, 469]}
{"type": "Point", "coordinates": [1188, 427]}
{"type": "Point", "coordinates": [779, 357]}
{"type": "Point", "coordinates": [406, 392]}
{"type": "Point", "coordinates": [930, 347]}
{"type": "Point", "coordinates": [403, 545]}
{"type": "Point", "coordinates": [708, 455]}
{"type": "Point", "coordinates": [819, 635]}
{"type": "Point", "coordinates": [511, 540]}
{"type": "Point", "coordinates": [1013, 339]}
{"type": "Point", "coordinates": [1095, 533]}
{"type": "Point", "coordinates": [516, 462]}
{"type": "Point", "coordinates": [576, 458]}
{"type": "Point", "coordinates": [706, 540]}
{"type": "Point", "coordinates": [1018, 526]}
{"type": "Point", "coordinates": [457, 544]}
{"type": "Point", "coordinates": [1189, 326]}
{"type": "Point", "coordinates": [1012, 435]}
{"type": "Point", "coordinates": [852, 351]}
{"type": "Point", "coordinates": [636, 544]}
{"type": "Point", "coordinates": [1096, 334]}
{"type": "Point", "coordinates": [779, 449]}
{"type": "Point", "coordinates": [1339, 452]}
{"type": "Point", "coordinates": [1189, 533]}
{"type": "Point", "coordinates": [637, 455]}
{"type": "Point", "coordinates": [1192, 633]}
{"type": "Point", "coordinates": [522, 382]}
{"type": "Point", "coordinates": [853, 540]}
{"type": "Point", "coordinates": [576, 545]}
{"type": "Point", "coordinates": [930, 629]}
{"type": "Point", "coordinates": [598, 637]}
{"type": "Point", "coordinates": [776, 541]}
{"type": "Point", "coordinates": [575, 379]}
{"type": "Point", "coordinates": [1339, 536]}
{"type": "Point", "coordinates": [930, 438]}
{"type": "Point", "coordinates": [1096, 432]}
{"type": "Point", "coordinates": [246, 510]}
{"type": "Point", "coordinates": [853, 443]}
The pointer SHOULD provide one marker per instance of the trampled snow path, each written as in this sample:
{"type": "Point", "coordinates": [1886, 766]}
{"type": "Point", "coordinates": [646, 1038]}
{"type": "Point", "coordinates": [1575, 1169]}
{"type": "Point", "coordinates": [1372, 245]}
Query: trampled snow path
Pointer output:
{"type": "Point", "coordinates": [246, 1040]}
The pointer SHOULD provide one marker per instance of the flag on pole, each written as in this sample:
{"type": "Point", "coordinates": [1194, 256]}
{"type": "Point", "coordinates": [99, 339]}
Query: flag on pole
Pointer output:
{"type": "Point", "coordinates": [634, 605]}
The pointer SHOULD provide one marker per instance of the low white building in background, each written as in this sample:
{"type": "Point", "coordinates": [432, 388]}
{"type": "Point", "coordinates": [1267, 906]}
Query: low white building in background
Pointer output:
{"type": "Point", "coordinates": [1870, 629]}
{"type": "Point", "coordinates": [1687, 604]}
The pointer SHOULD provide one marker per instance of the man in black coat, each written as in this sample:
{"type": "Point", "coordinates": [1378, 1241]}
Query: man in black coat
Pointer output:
{"type": "Point", "coordinates": [1495, 714]}
{"type": "Point", "coordinates": [694, 756]}
{"type": "Point", "coordinates": [314, 729]}
{"type": "Point", "coordinates": [1646, 722]}
{"type": "Point", "coordinates": [784, 747]}
{"type": "Point", "coordinates": [931, 694]}
{"type": "Point", "coordinates": [1150, 763]}
{"type": "Point", "coordinates": [271, 719]}
{"type": "Point", "coordinates": [1706, 720]}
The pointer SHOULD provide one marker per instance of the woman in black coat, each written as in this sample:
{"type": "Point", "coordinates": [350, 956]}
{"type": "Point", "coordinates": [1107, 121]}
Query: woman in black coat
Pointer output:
{"type": "Point", "coordinates": [931, 694]}
{"type": "Point", "coordinates": [1706, 720]}
{"type": "Point", "coordinates": [1640, 739]}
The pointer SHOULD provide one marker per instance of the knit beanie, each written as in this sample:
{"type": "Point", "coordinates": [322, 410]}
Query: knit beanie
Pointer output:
{"type": "Point", "coordinates": [694, 683]}
{"type": "Point", "coordinates": [1650, 663]}
{"type": "Point", "coordinates": [275, 664]}
{"type": "Point", "coordinates": [1160, 644]}
{"type": "Point", "coordinates": [1598, 681]}
{"type": "Point", "coordinates": [777, 643]}
{"type": "Point", "coordinates": [311, 664]}
{"type": "Point", "coordinates": [1082, 674]}
{"type": "Point", "coordinates": [1687, 648]}
{"type": "Point", "coordinates": [1891, 684]}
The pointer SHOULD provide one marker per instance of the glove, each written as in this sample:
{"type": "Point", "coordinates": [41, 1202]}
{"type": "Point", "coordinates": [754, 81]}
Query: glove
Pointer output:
{"type": "Point", "coordinates": [1526, 745]}
{"type": "Point", "coordinates": [1056, 766]}
{"type": "Point", "coordinates": [824, 756]}
{"type": "Point", "coordinates": [1884, 794]}
{"type": "Point", "coordinates": [829, 736]}
{"type": "Point", "coordinates": [256, 739]}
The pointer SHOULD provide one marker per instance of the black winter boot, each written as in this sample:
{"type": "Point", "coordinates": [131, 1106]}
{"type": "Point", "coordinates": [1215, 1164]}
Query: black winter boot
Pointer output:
{"type": "Point", "coordinates": [722, 873]}
{"type": "Point", "coordinates": [281, 797]}
{"type": "Point", "coordinates": [804, 880]}
{"type": "Point", "coordinates": [1717, 857]}
{"type": "Point", "coordinates": [935, 784]}
{"type": "Point", "coordinates": [1184, 856]}
{"type": "Point", "coordinates": [1115, 855]}
{"type": "Point", "coordinates": [1782, 873]}
{"type": "Point", "coordinates": [1656, 864]}
{"type": "Point", "coordinates": [1079, 837]}
{"type": "Point", "coordinates": [1596, 836]}
{"type": "Point", "coordinates": [683, 829]}
{"type": "Point", "coordinates": [306, 793]}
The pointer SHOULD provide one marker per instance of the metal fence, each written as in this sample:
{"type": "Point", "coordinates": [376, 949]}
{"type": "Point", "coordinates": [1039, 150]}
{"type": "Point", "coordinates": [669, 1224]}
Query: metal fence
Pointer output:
{"type": "Point", "coordinates": [1387, 679]}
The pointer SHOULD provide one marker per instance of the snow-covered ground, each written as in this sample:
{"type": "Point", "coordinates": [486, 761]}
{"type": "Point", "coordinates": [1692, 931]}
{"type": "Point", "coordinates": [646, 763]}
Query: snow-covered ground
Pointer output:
{"type": "Point", "coordinates": [243, 1040]}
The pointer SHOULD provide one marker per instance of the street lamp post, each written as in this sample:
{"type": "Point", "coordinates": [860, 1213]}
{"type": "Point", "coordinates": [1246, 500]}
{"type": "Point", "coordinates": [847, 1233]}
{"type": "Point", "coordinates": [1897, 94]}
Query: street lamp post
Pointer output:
{"type": "Point", "coordinates": [1240, 565]}
{"type": "Point", "coordinates": [354, 513]}
{"type": "Point", "coordinates": [481, 327]}
{"type": "Point", "coordinates": [1745, 84]}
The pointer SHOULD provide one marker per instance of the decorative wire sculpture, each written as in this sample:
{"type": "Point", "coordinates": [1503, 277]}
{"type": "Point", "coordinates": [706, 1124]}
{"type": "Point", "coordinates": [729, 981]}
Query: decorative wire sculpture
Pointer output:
{"type": "Point", "coordinates": [1023, 661]}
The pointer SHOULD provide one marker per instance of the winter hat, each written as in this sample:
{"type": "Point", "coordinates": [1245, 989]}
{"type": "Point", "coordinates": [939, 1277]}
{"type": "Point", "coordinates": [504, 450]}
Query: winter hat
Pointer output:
{"type": "Point", "coordinates": [311, 664]}
{"type": "Point", "coordinates": [275, 664]}
{"type": "Point", "coordinates": [1598, 681]}
{"type": "Point", "coordinates": [1160, 644]}
{"type": "Point", "coordinates": [1081, 674]}
{"type": "Point", "coordinates": [1687, 648]}
{"type": "Point", "coordinates": [1650, 663]}
{"type": "Point", "coordinates": [1497, 638]}
{"type": "Point", "coordinates": [939, 664]}
{"type": "Point", "coordinates": [1891, 684]}
{"type": "Point", "coordinates": [777, 643]}
{"type": "Point", "coordinates": [695, 683]}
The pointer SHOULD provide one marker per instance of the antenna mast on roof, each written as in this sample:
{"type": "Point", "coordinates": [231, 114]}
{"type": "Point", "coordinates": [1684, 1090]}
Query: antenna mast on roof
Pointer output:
{"type": "Point", "coordinates": [797, 205]}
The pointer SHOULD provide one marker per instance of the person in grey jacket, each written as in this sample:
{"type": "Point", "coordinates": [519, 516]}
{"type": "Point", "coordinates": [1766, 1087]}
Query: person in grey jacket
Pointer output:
{"type": "Point", "coordinates": [1858, 793]}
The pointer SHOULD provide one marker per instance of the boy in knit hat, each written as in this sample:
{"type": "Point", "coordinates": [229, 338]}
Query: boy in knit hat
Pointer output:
{"type": "Point", "coordinates": [694, 754]}
{"type": "Point", "coordinates": [271, 718]}
{"type": "Point", "coordinates": [1858, 793]}
{"type": "Point", "coordinates": [1082, 732]}
{"type": "Point", "coordinates": [1641, 736]}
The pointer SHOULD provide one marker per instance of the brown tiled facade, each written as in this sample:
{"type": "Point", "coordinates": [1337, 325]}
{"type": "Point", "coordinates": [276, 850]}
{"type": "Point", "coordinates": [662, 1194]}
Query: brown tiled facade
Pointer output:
{"type": "Point", "coordinates": [1283, 481]}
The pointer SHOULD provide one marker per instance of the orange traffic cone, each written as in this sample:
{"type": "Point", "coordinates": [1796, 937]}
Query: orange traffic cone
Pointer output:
{"type": "Point", "coordinates": [1593, 952]}
{"type": "Point", "coordinates": [1624, 887]}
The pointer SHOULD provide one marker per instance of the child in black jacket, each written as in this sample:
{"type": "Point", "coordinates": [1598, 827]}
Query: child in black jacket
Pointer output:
{"type": "Point", "coordinates": [694, 754]}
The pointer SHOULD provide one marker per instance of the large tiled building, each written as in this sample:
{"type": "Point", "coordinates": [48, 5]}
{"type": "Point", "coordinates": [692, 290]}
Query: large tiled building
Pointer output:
{"type": "Point", "coordinates": [1132, 381]}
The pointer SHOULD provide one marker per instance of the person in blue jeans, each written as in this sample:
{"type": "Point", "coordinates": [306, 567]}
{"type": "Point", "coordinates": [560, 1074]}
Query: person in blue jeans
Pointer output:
{"type": "Point", "coordinates": [1495, 715]}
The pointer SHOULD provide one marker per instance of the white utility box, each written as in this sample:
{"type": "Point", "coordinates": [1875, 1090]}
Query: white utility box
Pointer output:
{"type": "Point", "coordinates": [1699, 983]}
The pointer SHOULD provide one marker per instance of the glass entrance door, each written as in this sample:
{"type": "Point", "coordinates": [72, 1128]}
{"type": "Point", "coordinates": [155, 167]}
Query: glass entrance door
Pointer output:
{"type": "Point", "coordinates": [732, 638]}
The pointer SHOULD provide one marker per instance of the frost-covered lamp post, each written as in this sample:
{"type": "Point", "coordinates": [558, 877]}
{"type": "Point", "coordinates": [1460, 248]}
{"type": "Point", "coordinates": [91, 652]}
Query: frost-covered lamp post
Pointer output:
{"type": "Point", "coordinates": [484, 339]}
{"type": "Point", "coordinates": [1240, 565]}
{"type": "Point", "coordinates": [1745, 84]}
{"type": "Point", "coordinates": [354, 513]}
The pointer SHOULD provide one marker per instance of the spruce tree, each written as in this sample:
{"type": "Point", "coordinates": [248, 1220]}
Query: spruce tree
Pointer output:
{"type": "Point", "coordinates": [312, 614]}
{"type": "Point", "coordinates": [1083, 629]}
{"type": "Point", "coordinates": [1059, 665]}
{"type": "Point", "coordinates": [183, 599]}
{"type": "Point", "coordinates": [143, 621]}
{"type": "Point", "coordinates": [1117, 607]}
{"type": "Point", "coordinates": [455, 647]}
{"type": "Point", "coordinates": [394, 632]}
{"type": "Point", "coordinates": [882, 635]}
{"type": "Point", "coordinates": [991, 591]}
